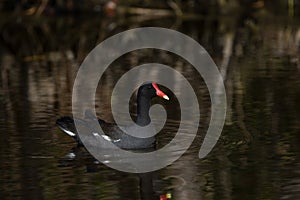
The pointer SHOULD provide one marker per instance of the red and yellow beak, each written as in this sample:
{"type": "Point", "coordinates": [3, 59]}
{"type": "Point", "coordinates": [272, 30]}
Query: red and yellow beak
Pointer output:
{"type": "Point", "coordinates": [159, 92]}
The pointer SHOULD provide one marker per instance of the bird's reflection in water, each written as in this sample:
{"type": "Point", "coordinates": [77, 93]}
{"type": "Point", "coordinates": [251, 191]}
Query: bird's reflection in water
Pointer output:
{"type": "Point", "coordinates": [149, 183]}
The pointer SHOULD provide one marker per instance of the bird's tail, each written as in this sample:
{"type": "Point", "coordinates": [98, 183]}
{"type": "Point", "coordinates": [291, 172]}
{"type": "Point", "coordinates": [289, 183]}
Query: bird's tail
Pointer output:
{"type": "Point", "coordinates": [66, 124]}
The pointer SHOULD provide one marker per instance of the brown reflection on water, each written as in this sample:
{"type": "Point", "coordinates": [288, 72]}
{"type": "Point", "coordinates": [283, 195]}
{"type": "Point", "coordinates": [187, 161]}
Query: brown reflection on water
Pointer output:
{"type": "Point", "coordinates": [257, 156]}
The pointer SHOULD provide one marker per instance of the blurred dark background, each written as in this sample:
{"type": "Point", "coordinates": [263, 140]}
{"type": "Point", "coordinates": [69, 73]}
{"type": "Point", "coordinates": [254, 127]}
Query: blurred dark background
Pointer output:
{"type": "Point", "coordinates": [255, 44]}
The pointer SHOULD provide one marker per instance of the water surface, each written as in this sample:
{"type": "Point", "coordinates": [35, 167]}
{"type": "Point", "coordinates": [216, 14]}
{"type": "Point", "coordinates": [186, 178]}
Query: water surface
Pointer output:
{"type": "Point", "coordinates": [257, 156]}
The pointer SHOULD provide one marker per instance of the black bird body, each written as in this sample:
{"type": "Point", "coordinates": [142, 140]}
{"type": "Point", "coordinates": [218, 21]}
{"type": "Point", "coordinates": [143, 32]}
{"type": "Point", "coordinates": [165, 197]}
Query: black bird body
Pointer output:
{"type": "Point", "coordinates": [113, 133]}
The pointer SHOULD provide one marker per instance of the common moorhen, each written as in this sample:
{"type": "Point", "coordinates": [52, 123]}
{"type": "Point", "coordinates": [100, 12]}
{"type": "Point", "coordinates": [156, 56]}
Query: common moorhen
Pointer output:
{"type": "Point", "coordinates": [113, 133]}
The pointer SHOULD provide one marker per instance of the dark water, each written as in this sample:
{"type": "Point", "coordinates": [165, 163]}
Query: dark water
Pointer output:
{"type": "Point", "coordinates": [257, 156]}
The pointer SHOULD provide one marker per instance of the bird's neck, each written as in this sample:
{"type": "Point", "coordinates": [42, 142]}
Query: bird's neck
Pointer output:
{"type": "Point", "coordinates": [143, 106]}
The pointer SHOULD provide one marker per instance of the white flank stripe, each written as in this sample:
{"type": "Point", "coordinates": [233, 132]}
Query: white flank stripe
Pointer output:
{"type": "Point", "coordinates": [70, 133]}
{"type": "Point", "coordinates": [106, 138]}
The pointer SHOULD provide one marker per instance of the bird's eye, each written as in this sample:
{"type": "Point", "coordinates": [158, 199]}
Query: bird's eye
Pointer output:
{"type": "Point", "coordinates": [149, 87]}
